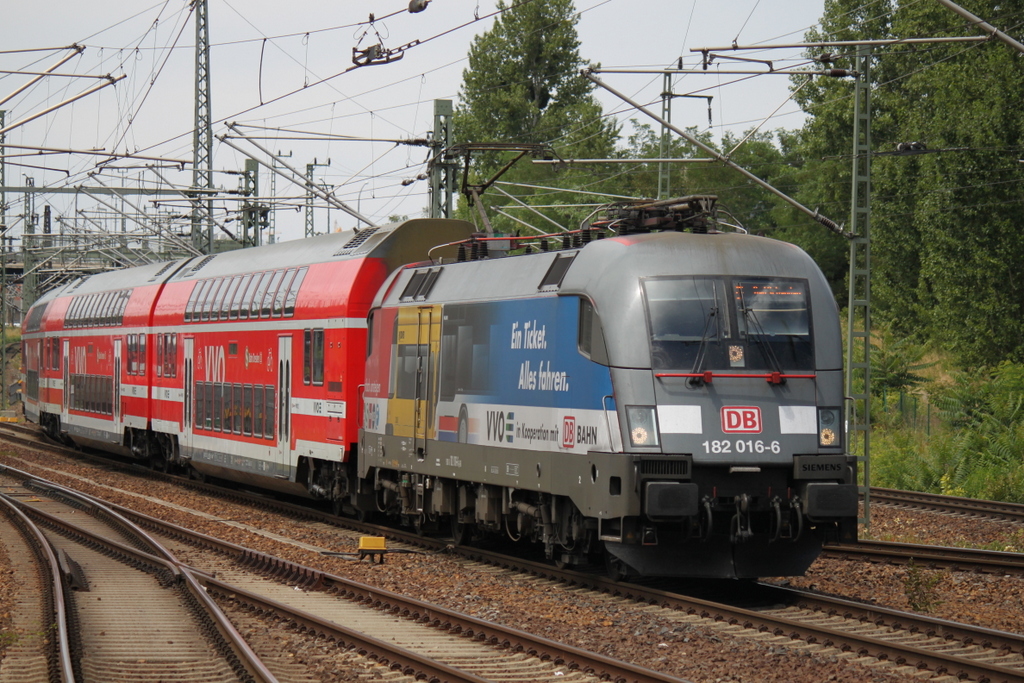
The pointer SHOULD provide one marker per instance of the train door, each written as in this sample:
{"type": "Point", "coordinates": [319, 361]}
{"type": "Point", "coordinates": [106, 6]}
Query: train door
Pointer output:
{"type": "Point", "coordinates": [117, 386]}
{"type": "Point", "coordinates": [284, 406]}
{"type": "Point", "coordinates": [428, 334]}
{"type": "Point", "coordinates": [189, 388]}
{"type": "Point", "coordinates": [66, 390]}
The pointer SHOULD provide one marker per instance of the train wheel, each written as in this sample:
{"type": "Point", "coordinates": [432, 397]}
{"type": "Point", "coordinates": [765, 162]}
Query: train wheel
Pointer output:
{"type": "Point", "coordinates": [460, 531]}
{"type": "Point", "coordinates": [616, 569]}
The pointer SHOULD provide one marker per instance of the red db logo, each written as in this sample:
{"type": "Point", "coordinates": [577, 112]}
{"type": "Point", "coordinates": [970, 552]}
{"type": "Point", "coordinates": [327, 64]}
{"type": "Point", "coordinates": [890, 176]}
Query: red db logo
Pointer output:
{"type": "Point", "coordinates": [741, 420]}
{"type": "Point", "coordinates": [568, 432]}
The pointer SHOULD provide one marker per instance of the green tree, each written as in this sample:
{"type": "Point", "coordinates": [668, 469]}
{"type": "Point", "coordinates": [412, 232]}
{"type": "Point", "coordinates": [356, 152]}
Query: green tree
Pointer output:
{"type": "Point", "coordinates": [963, 198]}
{"type": "Point", "coordinates": [946, 223]}
{"type": "Point", "coordinates": [741, 201]}
{"type": "Point", "coordinates": [523, 86]}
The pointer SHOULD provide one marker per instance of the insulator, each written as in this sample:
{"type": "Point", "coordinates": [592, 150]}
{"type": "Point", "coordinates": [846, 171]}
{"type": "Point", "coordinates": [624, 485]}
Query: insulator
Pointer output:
{"type": "Point", "coordinates": [483, 250]}
{"type": "Point", "coordinates": [462, 253]}
{"type": "Point", "coordinates": [544, 244]}
{"type": "Point", "coordinates": [474, 251]}
{"type": "Point", "coordinates": [566, 242]}
{"type": "Point", "coordinates": [529, 249]}
{"type": "Point", "coordinates": [585, 236]}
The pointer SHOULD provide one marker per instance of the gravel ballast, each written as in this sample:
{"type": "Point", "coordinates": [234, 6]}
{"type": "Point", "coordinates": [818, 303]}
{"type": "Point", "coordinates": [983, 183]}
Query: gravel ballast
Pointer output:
{"type": "Point", "coordinates": [687, 647]}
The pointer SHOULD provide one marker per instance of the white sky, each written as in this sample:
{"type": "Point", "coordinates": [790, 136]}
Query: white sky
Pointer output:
{"type": "Point", "coordinates": [266, 50]}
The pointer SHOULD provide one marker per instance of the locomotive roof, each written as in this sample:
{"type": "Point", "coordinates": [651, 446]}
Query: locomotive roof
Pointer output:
{"type": "Point", "coordinates": [608, 271]}
{"type": "Point", "coordinates": [608, 263]}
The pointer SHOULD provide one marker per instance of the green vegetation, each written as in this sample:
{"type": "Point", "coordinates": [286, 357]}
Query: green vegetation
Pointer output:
{"type": "Point", "coordinates": [964, 436]}
{"type": "Point", "coordinates": [922, 588]}
{"type": "Point", "coordinates": [946, 223]}
{"type": "Point", "coordinates": [11, 334]}
{"type": "Point", "coordinates": [523, 86]}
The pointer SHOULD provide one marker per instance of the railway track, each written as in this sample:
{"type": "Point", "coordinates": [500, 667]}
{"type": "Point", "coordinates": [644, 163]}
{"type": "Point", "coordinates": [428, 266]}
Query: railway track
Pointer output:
{"type": "Point", "coordinates": [931, 502]}
{"type": "Point", "coordinates": [38, 641]}
{"type": "Point", "coordinates": [818, 623]}
{"type": "Point", "coordinates": [930, 556]}
{"type": "Point", "coordinates": [132, 614]}
{"type": "Point", "coordinates": [428, 642]}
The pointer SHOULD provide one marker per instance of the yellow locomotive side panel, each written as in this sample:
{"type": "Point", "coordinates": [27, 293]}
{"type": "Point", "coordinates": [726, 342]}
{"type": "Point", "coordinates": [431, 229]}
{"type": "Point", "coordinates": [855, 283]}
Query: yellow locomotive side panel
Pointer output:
{"type": "Point", "coordinates": [414, 365]}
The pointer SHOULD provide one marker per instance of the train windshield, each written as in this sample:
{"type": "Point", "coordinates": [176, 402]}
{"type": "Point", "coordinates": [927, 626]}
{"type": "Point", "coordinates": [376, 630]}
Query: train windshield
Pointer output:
{"type": "Point", "coordinates": [699, 323]}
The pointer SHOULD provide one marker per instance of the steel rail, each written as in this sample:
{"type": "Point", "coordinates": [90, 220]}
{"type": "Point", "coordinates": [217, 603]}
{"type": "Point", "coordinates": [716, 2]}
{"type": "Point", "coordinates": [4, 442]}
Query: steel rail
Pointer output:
{"type": "Point", "coordinates": [61, 662]}
{"type": "Point", "coordinates": [865, 645]}
{"type": "Point", "coordinates": [491, 632]}
{"type": "Point", "coordinates": [967, 559]}
{"type": "Point", "coordinates": [159, 560]}
{"type": "Point", "coordinates": [312, 578]}
{"type": "Point", "coordinates": [951, 504]}
{"type": "Point", "coordinates": [393, 656]}
{"type": "Point", "coordinates": [899, 620]}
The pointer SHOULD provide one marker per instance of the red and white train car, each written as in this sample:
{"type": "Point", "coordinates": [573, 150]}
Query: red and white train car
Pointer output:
{"type": "Point", "coordinates": [247, 365]}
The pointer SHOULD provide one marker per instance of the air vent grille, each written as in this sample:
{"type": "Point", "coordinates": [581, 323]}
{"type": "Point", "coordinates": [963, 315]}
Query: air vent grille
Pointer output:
{"type": "Point", "coordinates": [199, 266]}
{"type": "Point", "coordinates": [167, 266]}
{"type": "Point", "coordinates": [665, 468]}
{"type": "Point", "coordinates": [355, 241]}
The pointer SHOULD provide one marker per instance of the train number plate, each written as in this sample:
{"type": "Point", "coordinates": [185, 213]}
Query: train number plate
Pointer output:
{"type": "Point", "coordinates": [742, 446]}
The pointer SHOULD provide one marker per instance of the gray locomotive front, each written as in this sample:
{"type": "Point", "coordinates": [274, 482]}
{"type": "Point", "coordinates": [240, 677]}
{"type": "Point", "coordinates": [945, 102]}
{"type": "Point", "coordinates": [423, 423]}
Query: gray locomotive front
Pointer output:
{"type": "Point", "coordinates": [726, 360]}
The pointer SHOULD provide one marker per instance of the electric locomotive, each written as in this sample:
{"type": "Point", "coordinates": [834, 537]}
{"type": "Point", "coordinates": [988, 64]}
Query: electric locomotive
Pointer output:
{"type": "Point", "coordinates": [669, 396]}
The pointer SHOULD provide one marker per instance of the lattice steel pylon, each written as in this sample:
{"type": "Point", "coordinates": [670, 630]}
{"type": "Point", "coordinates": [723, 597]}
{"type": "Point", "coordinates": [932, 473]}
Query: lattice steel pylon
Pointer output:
{"type": "Point", "coordinates": [310, 230]}
{"type": "Point", "coordinates": [441, 169]}
{"type": "Point", "coordinates": [858, 341]}
{"type": "Point", "coordinates": [202, 137]}
{"type": "Point", "coordinates": [3, 176]}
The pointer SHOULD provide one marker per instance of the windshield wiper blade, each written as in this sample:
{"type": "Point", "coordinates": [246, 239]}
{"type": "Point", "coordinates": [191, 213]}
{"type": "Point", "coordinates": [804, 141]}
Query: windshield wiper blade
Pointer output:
{"type": "Point", "coordinates": [698, 362]}
{"type": "Point", "coordinates": [759, 337]}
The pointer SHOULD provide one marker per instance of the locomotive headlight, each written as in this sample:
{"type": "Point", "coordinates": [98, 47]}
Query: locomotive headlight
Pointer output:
{"type": "Point", "coordinates": [828, 426]}
{"type": "Point", "coordinates": [643, 425]}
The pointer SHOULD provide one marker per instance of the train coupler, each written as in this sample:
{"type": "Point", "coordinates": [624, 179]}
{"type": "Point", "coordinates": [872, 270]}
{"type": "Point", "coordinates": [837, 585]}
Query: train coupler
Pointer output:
{"type": "Point", "coordinates": [739, 528]}
{"type": "Point", "coordinates": [786, 524]}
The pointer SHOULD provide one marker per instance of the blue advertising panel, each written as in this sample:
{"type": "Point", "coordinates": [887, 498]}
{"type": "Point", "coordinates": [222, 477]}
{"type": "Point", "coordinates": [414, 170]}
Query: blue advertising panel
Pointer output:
{"type": "Point", "coordinates": [511, 374]}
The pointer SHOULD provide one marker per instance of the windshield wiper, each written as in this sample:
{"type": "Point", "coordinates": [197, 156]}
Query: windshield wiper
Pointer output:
{"type": "Point", "coordinates": [759, 337]}
{"type": "Point", "coordinates": [698, 362]}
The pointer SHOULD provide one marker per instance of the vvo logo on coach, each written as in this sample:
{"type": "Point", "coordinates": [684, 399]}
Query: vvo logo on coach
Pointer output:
{"type": "Point", "coordinates": [741, 419]}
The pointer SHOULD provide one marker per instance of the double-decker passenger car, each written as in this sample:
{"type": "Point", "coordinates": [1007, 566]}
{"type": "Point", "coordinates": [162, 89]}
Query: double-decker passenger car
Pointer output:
{"type": "Point", "coordinates": [242, 365]}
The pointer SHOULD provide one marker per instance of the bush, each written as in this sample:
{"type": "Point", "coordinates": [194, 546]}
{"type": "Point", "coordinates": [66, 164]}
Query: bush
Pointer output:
{"type": "Point", "coordinates": [922, 589]}
{"type": "Point", "coordinates": [978, 452]}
